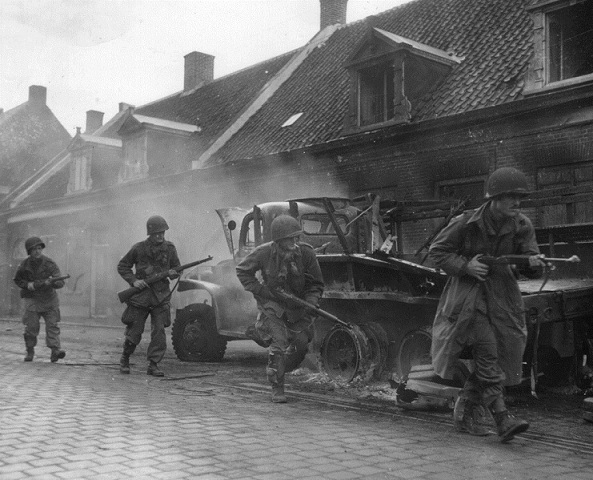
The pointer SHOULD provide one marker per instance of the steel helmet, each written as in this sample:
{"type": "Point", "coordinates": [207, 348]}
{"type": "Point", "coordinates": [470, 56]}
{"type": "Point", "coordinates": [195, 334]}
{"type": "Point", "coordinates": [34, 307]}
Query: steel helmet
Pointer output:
{"type": "Point", "coordinates": [32, 242]}
{"type": "Point", "coordinates": [506, 180]}
{"type": "Point", "coordinates": [285, 226]}
{"type": "Point", "coordinates": [156, 224]}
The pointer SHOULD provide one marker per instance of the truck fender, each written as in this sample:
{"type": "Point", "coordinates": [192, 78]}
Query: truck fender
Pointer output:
{"type": "Point", "coordinates": [234, 307]}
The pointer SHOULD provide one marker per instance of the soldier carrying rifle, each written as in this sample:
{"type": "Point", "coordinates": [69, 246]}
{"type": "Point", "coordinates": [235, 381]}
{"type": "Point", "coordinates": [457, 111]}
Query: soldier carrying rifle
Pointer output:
{"type": "Point", "coordinates": [152, 256]}
{"type": "Point", "coordinates": [481, 308]}
{"type": "Point", "coordinates": [38, 277]}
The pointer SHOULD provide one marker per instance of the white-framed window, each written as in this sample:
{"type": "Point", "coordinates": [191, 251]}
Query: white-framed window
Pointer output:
{"type": "Point", "coordinates": [80, 173]}
{"type": "Point", "coordinates": [563, 44]}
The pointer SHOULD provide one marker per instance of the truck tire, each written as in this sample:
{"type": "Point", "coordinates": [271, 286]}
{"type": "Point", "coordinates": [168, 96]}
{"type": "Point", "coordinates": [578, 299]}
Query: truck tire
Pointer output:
{"type": "Point", "coordinates": [194, 335]}
{"type": "Point", "coordinates": [379, 344]}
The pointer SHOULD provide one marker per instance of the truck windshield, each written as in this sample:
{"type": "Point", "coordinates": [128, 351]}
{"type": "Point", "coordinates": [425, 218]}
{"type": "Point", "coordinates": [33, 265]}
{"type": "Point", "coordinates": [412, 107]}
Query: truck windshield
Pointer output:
{"type": "Point", "coordinates": [320, 224]}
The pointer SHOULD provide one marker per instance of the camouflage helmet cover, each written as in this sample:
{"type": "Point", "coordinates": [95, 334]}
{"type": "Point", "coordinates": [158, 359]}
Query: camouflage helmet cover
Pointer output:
{"type": "Point", "coordinates": [32, 242]}
{"type": "Point", "coordinates": [156, 224]}
{"type": "Point", "coordinates": [506, 180]}
{"type": "Point", "coordinates": [285, 226]}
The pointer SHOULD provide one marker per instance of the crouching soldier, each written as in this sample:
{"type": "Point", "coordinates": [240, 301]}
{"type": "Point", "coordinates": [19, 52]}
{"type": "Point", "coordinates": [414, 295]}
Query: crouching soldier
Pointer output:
{"type": "Point", "coordinates": [285, 264]}
{"type": "Point", "coordinates": [150, 257]}
{"type": "Point", "coordinates": [34, 277]}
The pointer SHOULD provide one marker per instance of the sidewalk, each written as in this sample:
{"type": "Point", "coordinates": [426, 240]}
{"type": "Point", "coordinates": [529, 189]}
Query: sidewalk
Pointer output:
{"type": "Point", "coordinates": [83, 421]}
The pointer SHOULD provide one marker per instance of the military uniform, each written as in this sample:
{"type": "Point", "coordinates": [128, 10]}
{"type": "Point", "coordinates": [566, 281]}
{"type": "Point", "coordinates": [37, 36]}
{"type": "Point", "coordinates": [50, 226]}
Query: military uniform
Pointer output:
{"type": "Point", "coordinates": [281, 325]}
{"type": "Point", "coordinates": [41, 302]}
{"type": "Point", "coordinates": [485, 316]}
{"type": "Point", "coordinates": [148, 258]}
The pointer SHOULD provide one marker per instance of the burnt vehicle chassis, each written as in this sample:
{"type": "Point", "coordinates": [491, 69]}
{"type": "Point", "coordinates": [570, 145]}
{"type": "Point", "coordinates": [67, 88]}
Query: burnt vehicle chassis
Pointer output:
{"type": "Point", "coordinates": [369, 283]}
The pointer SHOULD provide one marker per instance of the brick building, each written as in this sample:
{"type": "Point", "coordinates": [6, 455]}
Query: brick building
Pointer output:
{"type": "Point", "coordinates": [422, 101]}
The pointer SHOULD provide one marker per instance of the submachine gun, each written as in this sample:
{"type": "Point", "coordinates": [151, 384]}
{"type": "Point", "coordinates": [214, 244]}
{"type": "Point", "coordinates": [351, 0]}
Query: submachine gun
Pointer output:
{"type": "Point", "coordinates": [128, 293]}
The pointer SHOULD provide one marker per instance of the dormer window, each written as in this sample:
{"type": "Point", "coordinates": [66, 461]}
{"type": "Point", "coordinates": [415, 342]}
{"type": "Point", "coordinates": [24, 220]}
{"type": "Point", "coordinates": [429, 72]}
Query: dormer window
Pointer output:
{"type": "Point", "coordinates": [388, 73]}
{"type": "Point", "coordinates": [563, 44]}
{"type": "Point", "coordinates": [375, 95]}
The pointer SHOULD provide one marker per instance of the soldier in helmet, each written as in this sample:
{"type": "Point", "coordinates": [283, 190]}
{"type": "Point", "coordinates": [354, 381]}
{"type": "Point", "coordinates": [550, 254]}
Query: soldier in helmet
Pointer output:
{"type": "Point", "coordinates": [153, 255]}
{"type": "Point", "coordinates": [34, 277]}
{"type": "Point", "coordinates": [285, 264]}
{"type": "Point", "coordinates": [481, 308]}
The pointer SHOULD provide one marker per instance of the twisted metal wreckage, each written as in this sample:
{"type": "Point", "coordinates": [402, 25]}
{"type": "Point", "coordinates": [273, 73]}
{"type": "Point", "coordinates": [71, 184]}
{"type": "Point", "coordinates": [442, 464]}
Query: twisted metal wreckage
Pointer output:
{"type": "Point", "coordinates": [375, 317]}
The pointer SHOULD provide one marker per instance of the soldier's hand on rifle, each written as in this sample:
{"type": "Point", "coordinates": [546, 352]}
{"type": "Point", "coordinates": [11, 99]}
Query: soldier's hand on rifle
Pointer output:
{"type": "Point", "coordinates": [539, 261]}
{"type": "Point", "coordinates": [477, 269]}
{"type": "Point", "coordinates": [140, 284]}
{"type": "Point", "coordinates": [173, 274]}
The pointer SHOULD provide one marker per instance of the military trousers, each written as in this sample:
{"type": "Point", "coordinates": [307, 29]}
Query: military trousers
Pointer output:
{"type": "Point", "coordinates": [282, 336]}
{"type": "Point", "coordinates": [31, 321]}
{"type": "Point", "coordinates": [134, 317]}
{"type": "Point", "coordinates": [485, 384]}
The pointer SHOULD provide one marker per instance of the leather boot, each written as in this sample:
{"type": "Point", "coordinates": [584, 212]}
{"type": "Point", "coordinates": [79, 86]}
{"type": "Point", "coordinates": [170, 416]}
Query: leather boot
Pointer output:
{"type": "Point", "coordinates": [56, 354]}
{"type": "Point", "coordinates": [278, 394]}
{"type": "Point", "coordinates": [508, 425]}
{"type": "Point", "coordinates": [30, 354]}
{"type": "Point", "coordinates": [154, 370]}
{"type": "Point", "coordinates": [275, 374]}
{"type": "Point", "coordinates": [30, 342]}
{"type": "Point", "coordinates": [469, 417]}
{"type": "Point", "coordinates": [124, 361]}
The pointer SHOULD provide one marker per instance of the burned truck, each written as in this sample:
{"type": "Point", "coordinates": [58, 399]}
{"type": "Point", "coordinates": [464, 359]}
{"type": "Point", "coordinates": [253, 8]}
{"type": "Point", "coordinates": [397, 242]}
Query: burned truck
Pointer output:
{"type": "Point", "coordinates": [380, 302]}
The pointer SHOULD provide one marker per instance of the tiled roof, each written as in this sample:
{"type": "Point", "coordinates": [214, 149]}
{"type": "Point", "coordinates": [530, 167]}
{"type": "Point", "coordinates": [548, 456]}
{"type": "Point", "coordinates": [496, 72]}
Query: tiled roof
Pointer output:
{"type": "Point", "coordinates": [214, 106]}
{"type": "Point", "coordinates": [493, 36]}
{"type": "Point", "coordinates": [29, 136]}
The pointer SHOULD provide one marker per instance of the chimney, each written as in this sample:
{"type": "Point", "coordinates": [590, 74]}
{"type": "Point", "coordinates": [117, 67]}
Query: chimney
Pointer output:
{"type": "Point", "coordinates": [94, 121]}
{"type": "Point", "coordinates": [37, 95]}
{"type": "Point", "coordinates": [199, 69]}
{"type": "Point", "coordinates": [332, 12]}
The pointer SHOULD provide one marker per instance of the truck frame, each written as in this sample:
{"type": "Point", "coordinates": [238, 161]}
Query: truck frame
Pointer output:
{"type": "Point", "coordinates": [389, 297]}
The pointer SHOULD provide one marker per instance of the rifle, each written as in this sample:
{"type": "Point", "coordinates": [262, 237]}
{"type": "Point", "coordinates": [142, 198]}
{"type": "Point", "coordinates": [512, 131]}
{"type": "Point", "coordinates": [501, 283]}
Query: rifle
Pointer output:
{"type": "Point", "coordinates": [49, 281]}
{"type": "Point", "coordinates": [309, 306]}
{"type": "Point", "coordinates": [128, 293]}
{"type": "Point", "coordinates": [522, 260]}
{"type": "Point", "coordinates": [453, 212]}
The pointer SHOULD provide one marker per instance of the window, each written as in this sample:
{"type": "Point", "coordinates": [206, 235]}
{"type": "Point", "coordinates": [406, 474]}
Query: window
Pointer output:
{"type": "Point", "coordinates": [387, 74]}
{"type": "Point", "coordinates": [376, 95]}
{"type": "Point", "coordinates": [576, 178]}
{"type": "Point", "coordinates": [570, 40]}
{"type": "Point", "coordinates": [563, 44]}
{"type": "Point", "coordinates": [80, 179]}
{"type": "Point", "coordinates": [472, 189]}
{"type": "Point", "coordinates": [320, 224]}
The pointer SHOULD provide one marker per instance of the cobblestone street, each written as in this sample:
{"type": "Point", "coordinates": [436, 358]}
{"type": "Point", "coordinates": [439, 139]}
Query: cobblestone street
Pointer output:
{"type": "Point", "coordinates": [80, 418]}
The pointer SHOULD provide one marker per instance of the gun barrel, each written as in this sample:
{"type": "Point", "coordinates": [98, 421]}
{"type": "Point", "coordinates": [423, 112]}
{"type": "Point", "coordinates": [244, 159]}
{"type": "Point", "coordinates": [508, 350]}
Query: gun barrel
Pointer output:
{"type": "Point", "coordinates": [573, 259]}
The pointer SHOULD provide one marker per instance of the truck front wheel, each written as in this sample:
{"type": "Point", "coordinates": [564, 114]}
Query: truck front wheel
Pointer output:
{"type": "Point", "coordinates": [194, 335]}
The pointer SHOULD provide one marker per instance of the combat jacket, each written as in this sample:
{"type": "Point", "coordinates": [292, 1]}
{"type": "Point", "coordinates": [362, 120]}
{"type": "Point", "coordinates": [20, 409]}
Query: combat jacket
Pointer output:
{"type": "Point", "coordinates": [44, 297]}
{"type": "Point", "coordinates": [149, 259]}
{"type": "Point", "coordinates": [498, 297]}
{"type": "Point", "coordinates": [297, 273]}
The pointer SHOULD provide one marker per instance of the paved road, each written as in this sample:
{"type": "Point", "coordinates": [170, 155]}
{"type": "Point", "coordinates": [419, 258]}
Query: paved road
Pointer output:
{"type": "Point", "coordinates": [81, 419]}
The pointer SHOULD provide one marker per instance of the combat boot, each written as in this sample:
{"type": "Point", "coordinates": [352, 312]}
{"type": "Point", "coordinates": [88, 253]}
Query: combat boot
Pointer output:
{"type": "Point", "coordinates": [469, 417]}
{"type": "Point", "coordinates": [154, 370]}
{"type": "Point", "coordinates": [56, 354]}
{"type": "Point", "coordinates": [30, 354]}
{"type": "Point", "coordinates": [278, 394]}
{"type": "Point", "coordinates": [508, 425]}
{"type": "Point", "coordinates": [124, 361]}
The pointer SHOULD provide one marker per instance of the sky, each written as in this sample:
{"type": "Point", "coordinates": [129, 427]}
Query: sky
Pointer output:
{"type": "Point", "coordinates": [94, 54]}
